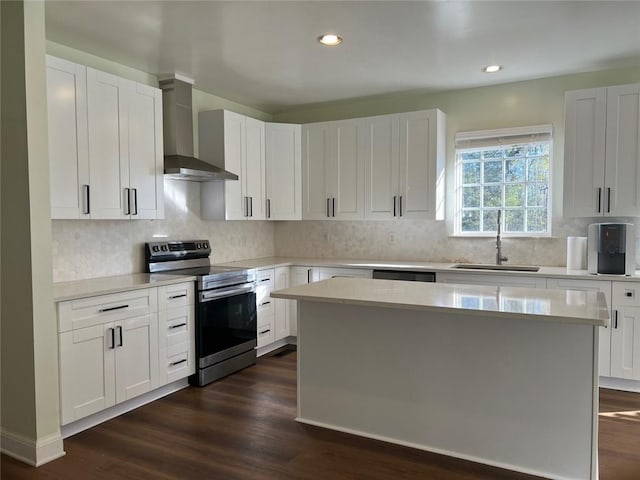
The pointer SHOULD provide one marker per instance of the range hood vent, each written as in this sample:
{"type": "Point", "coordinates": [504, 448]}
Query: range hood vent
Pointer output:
{"type": "Point", "coordinates": [179, 162]}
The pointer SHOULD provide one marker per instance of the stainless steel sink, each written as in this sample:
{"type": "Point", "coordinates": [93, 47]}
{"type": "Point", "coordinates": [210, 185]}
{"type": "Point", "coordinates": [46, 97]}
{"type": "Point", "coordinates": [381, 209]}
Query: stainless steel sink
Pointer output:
{"type": "Point", "coordinates": [508, 268]}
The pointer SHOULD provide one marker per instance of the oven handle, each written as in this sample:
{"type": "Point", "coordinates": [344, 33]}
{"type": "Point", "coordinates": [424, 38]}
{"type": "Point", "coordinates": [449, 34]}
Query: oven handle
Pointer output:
{"type": "Point", "coordinates": [227, 292]}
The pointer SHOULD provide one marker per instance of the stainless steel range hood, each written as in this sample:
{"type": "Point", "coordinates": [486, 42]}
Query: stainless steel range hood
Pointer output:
{"type": "Point", "coordinates": [179, 162]}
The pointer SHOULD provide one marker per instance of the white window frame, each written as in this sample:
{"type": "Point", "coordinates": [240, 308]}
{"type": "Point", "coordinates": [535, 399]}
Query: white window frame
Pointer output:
{"type": "Point", "coordinates": [493, 138]}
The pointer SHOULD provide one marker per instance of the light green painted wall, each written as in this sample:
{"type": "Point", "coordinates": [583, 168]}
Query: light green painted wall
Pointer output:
{"type": "Point", "coordinates": [29, 332]}
{"type": "Point", "coordinates": [18, 387]}
{"type": "Point", "coordinates": [530, 102]}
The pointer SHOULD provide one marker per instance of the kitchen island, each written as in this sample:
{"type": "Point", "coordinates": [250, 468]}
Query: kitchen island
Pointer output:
{"type": "Point", "coordinates": [502, 376]}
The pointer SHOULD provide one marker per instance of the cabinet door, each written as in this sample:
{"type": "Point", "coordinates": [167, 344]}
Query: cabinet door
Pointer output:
{"type": "Point", "coordinates": [253, 173]}
{"type": "Point", "coordinates": [107, 115]}
{"type": "Point", "coordinates": [604, 354]}
{"type": "Point", "coordinates": [347, 171]}
{"type": "Point", "coordinates": [68, 142]}
{"type": "Point", "coordinates": [283, 150]}
{"type": "Point", "coordinates": [316, 140]}
{"type": "Point", "coordinates": [381, 152]}
{"type": "Point", "coordinates": [622, 174]}
{"type": "Point", "coordinates": [584, 152]}
{"type": "Point", "coordinates": [145, 152]}
{"type": "Point", "coordinates": [87, 372]}
{"type": "Point", "coordinates": [234, 153]}
{"type": "Point", "coordinates": [282, 307]}
{"type": "Point", "coordinates": [299, 276]}
{"type": "Point", "coordinates": [625, 343]}
{"type": "Point", "coordinates": [417, 164]}
{"type": "Point", "coordinates": [136, 356]}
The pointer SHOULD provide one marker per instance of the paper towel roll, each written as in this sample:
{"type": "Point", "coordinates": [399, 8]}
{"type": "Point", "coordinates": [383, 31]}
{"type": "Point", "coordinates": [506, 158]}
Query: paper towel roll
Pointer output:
{"type": "Point", "coordinates": [576, 253]}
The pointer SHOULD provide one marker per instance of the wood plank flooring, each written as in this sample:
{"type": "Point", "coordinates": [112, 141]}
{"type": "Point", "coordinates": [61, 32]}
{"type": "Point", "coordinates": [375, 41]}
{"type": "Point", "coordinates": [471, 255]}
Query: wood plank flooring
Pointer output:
{"type": "Point", "coordinates": [242, 427]}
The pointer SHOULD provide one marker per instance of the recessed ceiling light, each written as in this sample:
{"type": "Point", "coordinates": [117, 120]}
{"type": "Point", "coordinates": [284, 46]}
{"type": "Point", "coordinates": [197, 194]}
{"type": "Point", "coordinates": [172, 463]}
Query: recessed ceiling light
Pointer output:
{"type": "Point", "coordinates": [330, 39]}
{"type": "Point", "coordinates": [492, 68]}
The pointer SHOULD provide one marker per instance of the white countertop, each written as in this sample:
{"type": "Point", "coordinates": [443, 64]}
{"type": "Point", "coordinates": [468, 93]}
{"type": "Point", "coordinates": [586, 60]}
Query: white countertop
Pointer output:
{"type": "Point", "coordinates": [559, 272]}
{"type": "Point", "coordinates": [104, 285]}
{"type": "Point", "coordinates": [568, 306]}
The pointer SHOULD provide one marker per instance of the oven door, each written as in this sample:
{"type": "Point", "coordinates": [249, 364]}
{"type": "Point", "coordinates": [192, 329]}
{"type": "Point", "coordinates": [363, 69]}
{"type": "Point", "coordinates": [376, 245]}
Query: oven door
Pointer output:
{"type": "Point", "coordinates": [226, 321]}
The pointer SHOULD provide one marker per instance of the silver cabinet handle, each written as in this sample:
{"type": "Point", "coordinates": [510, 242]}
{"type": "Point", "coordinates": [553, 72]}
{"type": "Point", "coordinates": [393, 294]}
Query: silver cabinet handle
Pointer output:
{"type": "Point", "coordinates": [400, 205]}
{"type": "Point", "coordinates": [110, 309]}
{"type": "Point", "coordinates": [227, 292]}
{"type": "Point", "coordinates": [112, 335]}
{"type": "Point", "coordinates": [128, 201]}
{"type": "Point", "coordinates": [333, 201]}
{"type": "Point", "coordinates": [178, 325]}
{"type": "Point", "coordinates": [328, 206]}
{"type": "Point", "coordinates": [87, 199]}
{"type": "Point", "coordinates": [120, 336]}
{"type": "Point", "coordinates": [394, 205]}
{"type": "Point", "coordinates": [178, 362]}
{"type": "Point", "coordinates": [599, 200]}
{"type": "Point", "coordinates": [608, 199]}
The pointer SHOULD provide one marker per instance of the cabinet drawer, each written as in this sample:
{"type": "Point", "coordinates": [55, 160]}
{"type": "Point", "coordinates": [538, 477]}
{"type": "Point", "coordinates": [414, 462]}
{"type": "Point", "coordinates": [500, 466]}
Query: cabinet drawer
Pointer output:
{"type": "Point", "coordinates": [626, 294]}
{"type": "Point", "coordinates": [266, 335]}
{"type": "Point", "coordinates": [175, 326]}
{"type": "Point", "coordinates": [87, 312]}
{"type": "Point", "coordinates": [175, 366]}
{"type": "Point", "coordinates": [177, 295]}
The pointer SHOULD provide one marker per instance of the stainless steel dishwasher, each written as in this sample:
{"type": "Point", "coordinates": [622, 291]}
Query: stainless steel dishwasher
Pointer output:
{"type": "Point", "coordinates": [407, 275]}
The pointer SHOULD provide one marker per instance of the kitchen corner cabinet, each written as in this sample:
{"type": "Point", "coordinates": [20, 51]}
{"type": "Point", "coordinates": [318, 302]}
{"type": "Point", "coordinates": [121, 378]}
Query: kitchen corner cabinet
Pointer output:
{"type": "Point", "coordinates": [283, 151]}
{"type": "Point", "coordinates": [108, 348]}
{"type": "Point", "coordinates": [333, 170]}
{"type": "Point", "coordinates": [404, 166]}
{"type": "Point", "coordinates": [602, 152]}
{"type": "Point", "coordinates": [237, 144]}
{"type": "Point", "coordinates": [300, 275]}
{"type": "Point", "coordinates": [105, 145]}
{"type": "Point", "coordinates": [282, 307]}
{"type": "Point", "coordinates": [625, 330]}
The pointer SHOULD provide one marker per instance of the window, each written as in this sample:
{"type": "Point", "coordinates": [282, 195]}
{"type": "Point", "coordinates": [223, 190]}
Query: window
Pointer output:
{"type": "Point", "coordinates": [508, 170]}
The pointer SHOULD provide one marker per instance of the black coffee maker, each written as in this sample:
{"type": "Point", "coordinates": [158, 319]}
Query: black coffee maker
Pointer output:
{"type": "Point", "coordinates": [611, 249]}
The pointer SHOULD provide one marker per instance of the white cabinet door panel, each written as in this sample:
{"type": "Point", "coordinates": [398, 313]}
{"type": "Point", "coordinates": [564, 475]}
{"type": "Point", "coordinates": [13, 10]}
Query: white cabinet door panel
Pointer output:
{"type": "Point", "coordinates": [347, 170]}
{"type": "Point", "coordinates": [68, 144]}
{"type": "Point", "coordinates": [87, 373]}
{"type": "Point", "coordinates": [283, 152]}
{"type": "Point", "coordinates": [622, 174]}
{"type": "Point", "coordinates": [625, 343]}
{"type": "Point", "coordinates": [234, 153]}
{"type": "Point", "coordinates": [381, 166]}
{"type": "Point", "coordinates": [282, 307]}
{"type": "Point", "coordinates": [146, 152]}
{"type": "Point", "coordinates": [316, 140]}
{"type": "Point", "coordinates": [254, 168]}
{"type": "Point", "coordinates": [108, 144]}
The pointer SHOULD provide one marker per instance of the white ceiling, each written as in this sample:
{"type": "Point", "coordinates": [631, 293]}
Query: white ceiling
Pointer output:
{"type": "Point", "coordinates": [265, 53]}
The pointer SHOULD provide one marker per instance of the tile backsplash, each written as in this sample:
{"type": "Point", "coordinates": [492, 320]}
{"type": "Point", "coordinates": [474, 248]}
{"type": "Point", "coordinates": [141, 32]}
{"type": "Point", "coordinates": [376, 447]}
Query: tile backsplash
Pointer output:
{"type": "Point", "coordinates": [424, 241]}
{"type": "Point", "coordinates": [97, 248]}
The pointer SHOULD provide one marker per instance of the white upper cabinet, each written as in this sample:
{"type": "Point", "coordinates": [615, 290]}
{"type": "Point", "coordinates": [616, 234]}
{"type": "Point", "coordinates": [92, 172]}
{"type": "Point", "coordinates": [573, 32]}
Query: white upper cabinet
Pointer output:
{"type": "Point", "coordinates": [146, 160]}
{"type": "Point", "coordinates": [383, 167]}
{"type": "Point", "coordinates": [333, 170]}
{"type": "Point", "coordinates": [283, 151]}
{"type": "Point", "coordinates": [105, 145]}
{"type": "Point", "coordinates": [404, 165]}
{"type": "Point", "coordinates": [68, 147]}
{"type": "Point", "coordinates": [237, 144]}
{"type": "Point", "coordinates": [602, 152]}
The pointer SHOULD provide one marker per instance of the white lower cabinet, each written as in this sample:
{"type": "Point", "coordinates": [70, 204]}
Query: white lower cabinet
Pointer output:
{"type": "Point", "coordinates": [604, 355]}
{"type": "Point", "coordinates": [625, 330]}
{"type": "Point", "coordinates": [488, 279]}
{"type": "Point", "coordinates": [265, 307]}
{"type": "Point", "coordinates": [282, 307]}
{"type": "Point", "coordinates": [325, 273]}
{"type": "Point", "coordinates": [115, 347]}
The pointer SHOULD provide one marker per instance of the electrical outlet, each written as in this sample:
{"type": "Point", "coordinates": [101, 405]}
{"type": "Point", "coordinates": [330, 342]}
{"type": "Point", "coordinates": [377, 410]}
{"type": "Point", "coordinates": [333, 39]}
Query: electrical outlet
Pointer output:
{"type": "Point", "coordinates": [391, 239]}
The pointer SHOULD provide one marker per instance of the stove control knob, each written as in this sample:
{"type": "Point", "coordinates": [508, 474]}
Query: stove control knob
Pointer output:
{"type": "Point", "coordinates": [198, 245]}
{"type": "Point", "coordinates": [155, 248]}
{"type": "Point", "coordinates": [164, 248]}
{"type": "Point", "coordinates": [205, 245]}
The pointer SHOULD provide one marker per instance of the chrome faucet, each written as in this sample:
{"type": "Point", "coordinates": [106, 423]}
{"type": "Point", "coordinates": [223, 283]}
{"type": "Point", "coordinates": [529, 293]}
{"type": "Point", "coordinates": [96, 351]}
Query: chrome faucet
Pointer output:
{"type": "Point", "coordinates": [499, 257]}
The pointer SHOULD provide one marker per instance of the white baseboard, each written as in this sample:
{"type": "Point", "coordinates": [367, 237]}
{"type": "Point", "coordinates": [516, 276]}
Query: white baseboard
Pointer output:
{"type": "Point", "coordinates": [32, 452]}
{"type": "Point", "coordinates": [620, 384]}
{"type": "Point", "coordinates": [124, 407]}
{"type": "Point", "coordinates": [275, 345]}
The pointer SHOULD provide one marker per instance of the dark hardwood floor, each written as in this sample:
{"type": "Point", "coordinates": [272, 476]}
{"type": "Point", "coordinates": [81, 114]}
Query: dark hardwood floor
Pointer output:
{"type": "Point", "coordinates": [242, 427]}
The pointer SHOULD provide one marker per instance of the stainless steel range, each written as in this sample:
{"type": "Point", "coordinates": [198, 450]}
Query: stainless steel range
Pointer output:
{"type": "Point", "coordinates": [226, 316]}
